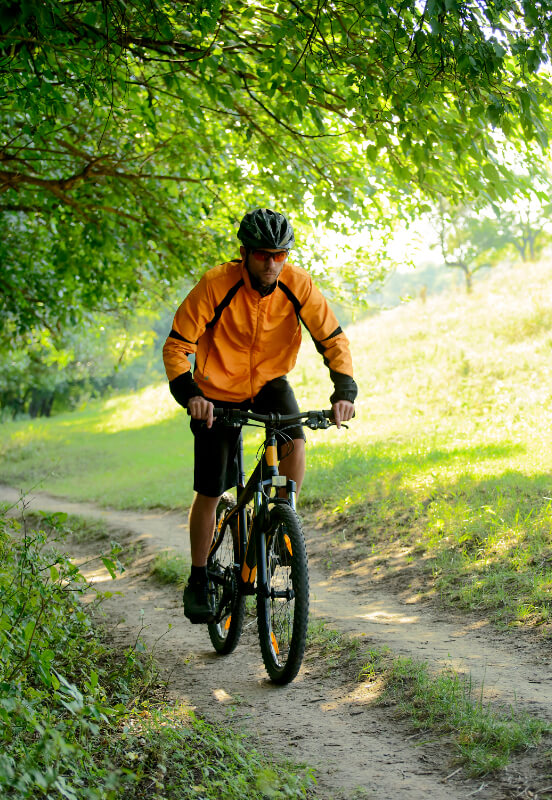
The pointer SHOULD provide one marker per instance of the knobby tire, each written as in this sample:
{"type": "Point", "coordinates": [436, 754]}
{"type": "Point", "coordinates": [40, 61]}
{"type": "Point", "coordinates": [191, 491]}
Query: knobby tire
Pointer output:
{"type": "Point", "coordinates": [229, 604]}
{"type": "Point", "coordinates": [282, 621]}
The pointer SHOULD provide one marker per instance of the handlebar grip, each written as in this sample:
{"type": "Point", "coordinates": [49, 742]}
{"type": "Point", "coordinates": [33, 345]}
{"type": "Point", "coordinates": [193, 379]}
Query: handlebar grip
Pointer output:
{"type": "Point", "coordinates": [328, 414]}
{"type": "Point", "coordinates": [220, 410]}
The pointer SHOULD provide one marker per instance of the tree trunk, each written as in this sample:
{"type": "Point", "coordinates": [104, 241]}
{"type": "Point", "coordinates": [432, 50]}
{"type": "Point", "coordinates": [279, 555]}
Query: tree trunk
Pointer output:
{"type": "Point", "coordinates": [532, 242]}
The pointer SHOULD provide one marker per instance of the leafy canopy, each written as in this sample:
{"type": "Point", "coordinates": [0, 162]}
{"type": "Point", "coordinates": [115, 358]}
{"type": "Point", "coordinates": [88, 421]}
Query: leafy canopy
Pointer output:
{"type": "Point", "coordinates": [135, 134]}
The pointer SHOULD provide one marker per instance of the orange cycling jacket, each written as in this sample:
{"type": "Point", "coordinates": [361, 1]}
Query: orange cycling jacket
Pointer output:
{"type": "Point", "coordinates": [242, 339]}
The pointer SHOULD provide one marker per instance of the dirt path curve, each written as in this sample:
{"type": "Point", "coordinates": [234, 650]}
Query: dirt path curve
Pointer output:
{"type": "Point", "coordinates": [321, 719]}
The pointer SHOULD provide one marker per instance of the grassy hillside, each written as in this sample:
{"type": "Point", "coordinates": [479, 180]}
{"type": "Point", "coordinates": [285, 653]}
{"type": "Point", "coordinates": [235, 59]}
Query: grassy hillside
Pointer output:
{"type": "Point", "coordinates": [450, 454]}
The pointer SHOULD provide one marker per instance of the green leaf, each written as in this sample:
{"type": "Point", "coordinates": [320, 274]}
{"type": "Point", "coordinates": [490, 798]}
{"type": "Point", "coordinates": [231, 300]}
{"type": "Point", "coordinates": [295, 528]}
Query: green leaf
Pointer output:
{"type": "Point", "coordinates": [317, 117]}
{"type": "Point", "coordinates": [110, 565]}
{"type": "Point", "coordinates": [28, 630]}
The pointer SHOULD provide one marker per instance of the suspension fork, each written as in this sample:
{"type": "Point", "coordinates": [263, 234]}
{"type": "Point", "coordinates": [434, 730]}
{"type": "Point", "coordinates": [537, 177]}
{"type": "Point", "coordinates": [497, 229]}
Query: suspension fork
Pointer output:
{"type": "Point", "coordinates": [291, 489]}
{"type": "Point", "coordinates": [262, 476]}
{"type": "Point", "coordinates": [268, 472]}
{"type": "Point", "coordinates": [262, 583]}
{"type": "Point", "coordinates": [242, 512]}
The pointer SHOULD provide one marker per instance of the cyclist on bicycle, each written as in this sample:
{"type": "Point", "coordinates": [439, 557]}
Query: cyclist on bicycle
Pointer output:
{"type": "Point", "coordinates": [242, 323]}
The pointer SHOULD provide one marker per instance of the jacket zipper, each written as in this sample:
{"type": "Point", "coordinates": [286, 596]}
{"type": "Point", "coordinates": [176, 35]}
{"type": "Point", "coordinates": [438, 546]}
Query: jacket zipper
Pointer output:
{"type": "Point", "coordinates": [252, 347]}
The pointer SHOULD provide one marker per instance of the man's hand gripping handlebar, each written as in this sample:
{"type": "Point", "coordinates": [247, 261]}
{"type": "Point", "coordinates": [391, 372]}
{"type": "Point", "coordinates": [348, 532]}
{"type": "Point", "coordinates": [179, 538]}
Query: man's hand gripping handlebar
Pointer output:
{"type": "Point", "coordinates": [202, 409]}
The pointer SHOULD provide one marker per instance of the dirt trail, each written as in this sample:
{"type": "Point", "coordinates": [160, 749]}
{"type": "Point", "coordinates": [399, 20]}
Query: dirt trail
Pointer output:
{"type": "Point", "coordinates": [322, 719]}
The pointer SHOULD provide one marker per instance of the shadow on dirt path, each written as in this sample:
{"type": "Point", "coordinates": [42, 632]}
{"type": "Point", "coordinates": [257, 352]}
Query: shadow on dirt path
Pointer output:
{"type": "Point", "coordinates": [324, 718]}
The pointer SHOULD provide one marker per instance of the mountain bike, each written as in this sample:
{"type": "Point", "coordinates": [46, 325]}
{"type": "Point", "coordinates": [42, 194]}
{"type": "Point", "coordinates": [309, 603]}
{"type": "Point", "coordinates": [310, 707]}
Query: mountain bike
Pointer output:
{"type": "Point", "coordinates": [258, 549]}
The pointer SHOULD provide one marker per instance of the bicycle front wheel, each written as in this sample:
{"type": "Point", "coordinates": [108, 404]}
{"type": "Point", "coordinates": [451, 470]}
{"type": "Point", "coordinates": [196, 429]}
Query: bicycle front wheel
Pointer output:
{"type": "Point", "coordinates": [229, 604]}
{"type": "Point", "coordinates": [283, 616]}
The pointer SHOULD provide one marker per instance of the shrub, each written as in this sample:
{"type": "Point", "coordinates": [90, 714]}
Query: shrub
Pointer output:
{"type": "Point", "coordinates": [52, 703]}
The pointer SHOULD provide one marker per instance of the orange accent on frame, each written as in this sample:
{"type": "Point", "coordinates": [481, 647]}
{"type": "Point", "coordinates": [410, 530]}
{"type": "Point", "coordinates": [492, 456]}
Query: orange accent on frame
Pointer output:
{"type": "Point", "coordinates": [287, 540]}
{"type": "Point", "coordinates": [248, 574]}
{"type": "Point", "coordinates": [271, 455]}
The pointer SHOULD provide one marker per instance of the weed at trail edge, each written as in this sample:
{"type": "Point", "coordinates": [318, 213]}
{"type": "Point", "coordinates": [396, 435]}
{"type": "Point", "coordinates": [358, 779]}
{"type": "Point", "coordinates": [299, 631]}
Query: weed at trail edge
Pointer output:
{"type": "Point", "coordinates": [170, 567]}
{"type": "Point", "coordinates": [484, 737]}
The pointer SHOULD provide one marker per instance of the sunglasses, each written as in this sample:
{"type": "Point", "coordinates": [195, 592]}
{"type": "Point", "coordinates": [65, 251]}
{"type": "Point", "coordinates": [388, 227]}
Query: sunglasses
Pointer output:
{"type": "Point", "coordinates": [264, 255]}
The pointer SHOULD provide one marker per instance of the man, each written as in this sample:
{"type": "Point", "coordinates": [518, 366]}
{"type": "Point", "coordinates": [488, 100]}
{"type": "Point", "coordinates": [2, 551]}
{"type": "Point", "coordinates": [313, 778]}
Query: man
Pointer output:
{"type": "Point", "coordinates": [242, 322]}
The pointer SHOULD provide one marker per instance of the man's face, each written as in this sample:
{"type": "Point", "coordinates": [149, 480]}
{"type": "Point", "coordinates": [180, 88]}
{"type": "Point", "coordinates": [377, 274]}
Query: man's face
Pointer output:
{"type": "Point", "coordinates": [265, 264]}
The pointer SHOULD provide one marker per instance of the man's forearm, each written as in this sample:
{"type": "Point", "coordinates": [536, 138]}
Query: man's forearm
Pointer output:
{"type": "Point", "coordinates": [183, 388]}
{"type": "Point", "coordinates": [345, 387]}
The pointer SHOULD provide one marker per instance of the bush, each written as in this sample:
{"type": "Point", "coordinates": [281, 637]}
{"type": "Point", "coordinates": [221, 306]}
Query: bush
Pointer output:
{"type": "Point", "coordinates": [52, 704]}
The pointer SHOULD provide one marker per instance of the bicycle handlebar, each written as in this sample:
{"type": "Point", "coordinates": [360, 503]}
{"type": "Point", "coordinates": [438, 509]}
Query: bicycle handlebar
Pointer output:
{"type": "Point", "coordinates": [311, 419]}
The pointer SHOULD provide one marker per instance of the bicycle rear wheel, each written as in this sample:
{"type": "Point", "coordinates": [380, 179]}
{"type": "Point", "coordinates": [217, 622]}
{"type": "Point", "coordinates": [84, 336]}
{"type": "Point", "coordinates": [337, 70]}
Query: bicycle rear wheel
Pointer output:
{"type": "Point", "coordinates": [283, 616]}
{"type": "Point", "coordinates": [229, 604]}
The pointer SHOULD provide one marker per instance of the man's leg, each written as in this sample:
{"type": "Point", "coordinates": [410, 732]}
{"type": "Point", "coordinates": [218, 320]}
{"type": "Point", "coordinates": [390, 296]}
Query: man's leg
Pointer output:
{"type": "Point", "coordinates": [202, 526]}
{"type": "Point", "coordinates": [197, 603]}
{"type": "Point", "coordinates": [292, 464]}
{"type": "Point", "coordinates": [214, 468]}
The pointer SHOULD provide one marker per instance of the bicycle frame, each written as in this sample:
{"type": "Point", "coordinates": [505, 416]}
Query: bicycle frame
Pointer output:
{"type": "Point", "coordinates": [263, 553]}
{"type": "Point", "coordinates": [252, 543]}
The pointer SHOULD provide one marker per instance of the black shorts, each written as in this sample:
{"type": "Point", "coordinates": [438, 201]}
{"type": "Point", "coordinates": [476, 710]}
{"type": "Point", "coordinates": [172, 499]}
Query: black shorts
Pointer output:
{"type": "Point", "coordinates": [216, 448]}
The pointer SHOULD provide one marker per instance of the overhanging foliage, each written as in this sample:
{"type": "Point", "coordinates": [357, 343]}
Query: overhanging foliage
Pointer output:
{"type": "Point", "coordinates": [134, 134]}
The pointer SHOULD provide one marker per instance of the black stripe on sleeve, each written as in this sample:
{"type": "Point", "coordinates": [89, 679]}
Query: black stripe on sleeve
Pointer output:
{"type": "Point", "coordinates": [291, 297]}
{"type": "Point", "coordinates": [337, 331]}
{"type": "Point", "coordinates": [175, 335]}
{"type": "Point", "coordinates": [320, 349]}
{"type": "Point", "coordinates": [319, 343]}
{"type": "Point", "coordinates": [297, 306]}
{"type": "Point", "coordinates": [226, 300]}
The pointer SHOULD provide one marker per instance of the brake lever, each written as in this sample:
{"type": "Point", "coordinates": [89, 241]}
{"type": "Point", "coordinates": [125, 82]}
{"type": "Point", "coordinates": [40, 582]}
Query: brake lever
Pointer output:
{"type": "Point", "coordinates": [317, 424]}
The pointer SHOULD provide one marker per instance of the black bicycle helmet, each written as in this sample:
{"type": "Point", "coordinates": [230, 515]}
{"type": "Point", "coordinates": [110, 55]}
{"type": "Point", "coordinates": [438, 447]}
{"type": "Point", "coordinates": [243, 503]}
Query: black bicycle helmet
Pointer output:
{"type": "Point", "coordinates": [266, 228]}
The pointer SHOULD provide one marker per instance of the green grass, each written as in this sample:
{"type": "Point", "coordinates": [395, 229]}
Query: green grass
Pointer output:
{"type": "Point", "coordinates": [447, 704]}
{"type": "Point", "coordinates": [330, 649]}
{"type": "Point", "coordinates": [170, 568]}
{"type": "Point", "coordinates": [450, 453]}
{"type": "Point", "coordinates": [78, 527]}
{"type": "Point", "coordinates": [180, 756]}
{"type": "Point", "coordinates": [99, 454]}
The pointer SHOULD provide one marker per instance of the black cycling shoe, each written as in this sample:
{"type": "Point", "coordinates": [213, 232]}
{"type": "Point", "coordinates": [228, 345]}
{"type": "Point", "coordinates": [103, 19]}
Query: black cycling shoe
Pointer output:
{"type": "Point", "coordinates": [198, 606]}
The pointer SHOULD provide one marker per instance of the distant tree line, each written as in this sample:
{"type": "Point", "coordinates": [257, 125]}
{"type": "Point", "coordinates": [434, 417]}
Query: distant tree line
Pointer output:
{"type": "Point", "coordinates": [472, 240]}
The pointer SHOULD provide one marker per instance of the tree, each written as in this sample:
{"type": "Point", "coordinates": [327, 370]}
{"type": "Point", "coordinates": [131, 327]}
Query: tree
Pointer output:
{"type": "Point", "coordinates": [470, 239]}
{"type": "Point", "coordinates": [51, 372]}
{"type": "Point", "coordinates": [134, 132]}
{"type": "Point", "coordinates": [526, 224]}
